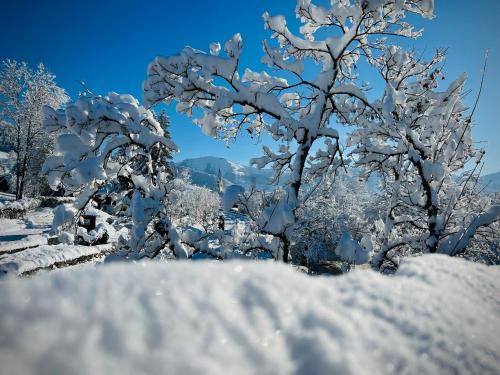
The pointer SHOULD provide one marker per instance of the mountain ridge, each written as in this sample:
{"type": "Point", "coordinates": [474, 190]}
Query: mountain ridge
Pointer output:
{"type": "Point", "coordinates": [204, 171]}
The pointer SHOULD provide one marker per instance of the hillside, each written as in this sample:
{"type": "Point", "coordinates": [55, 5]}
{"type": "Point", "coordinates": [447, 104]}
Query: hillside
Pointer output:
{"type": "Point", "coordinates": [204, 172]}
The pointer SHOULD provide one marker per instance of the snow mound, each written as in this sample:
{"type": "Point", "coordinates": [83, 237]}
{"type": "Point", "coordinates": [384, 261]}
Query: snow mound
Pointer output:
{"type": "Point", "coordinates": [436, 315]}
{"type": "Point", "coordinates": [349, 250]}
{"type": "Point", "coordinates": [46, 256]}
{"type": "Point", "coordinates": [231, 196]}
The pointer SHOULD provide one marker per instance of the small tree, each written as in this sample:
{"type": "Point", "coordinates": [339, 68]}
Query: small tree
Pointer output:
{"type": "Point", "coordinates": [421, 146]}
{"type": "Point", "coordinates": [297, 109]}
{"type": "Point", "coordinates": [111, 144]}
{"type": "Point", "coordinates": [23, 93]}
{"type": "Point", "coordinates": [194, 206]}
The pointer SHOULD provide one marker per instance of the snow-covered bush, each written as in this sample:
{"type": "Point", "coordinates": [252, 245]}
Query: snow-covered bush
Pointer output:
{"type": "Point", "coordinates": [350, 251]}
{"type": "Point", "coordinates": [112, 146]}
{"type": "Point", "coordinates": [340, 204]}
{"type": "Point", "coordinates": [17, 209]}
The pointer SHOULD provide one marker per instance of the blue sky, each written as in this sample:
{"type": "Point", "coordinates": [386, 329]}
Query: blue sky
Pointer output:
{"type": "Point", "coordinates": [108, 44]}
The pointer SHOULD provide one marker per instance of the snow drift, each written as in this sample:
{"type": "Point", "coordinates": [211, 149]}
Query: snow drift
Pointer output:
{"type": "Point", "coordinates": [436, 315]}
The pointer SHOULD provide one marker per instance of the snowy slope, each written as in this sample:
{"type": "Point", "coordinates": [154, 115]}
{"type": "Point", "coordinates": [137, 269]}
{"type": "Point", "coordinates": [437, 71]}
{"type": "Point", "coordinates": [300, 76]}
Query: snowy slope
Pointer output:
{"type": "Point", "coordinates": [437, 315]}
{"type": "Point", "coordinates": [205, 179]}
{"type": "Point", "coordinates": [16, 234]}
{"type": "Point", "coordinates": [204, 172]}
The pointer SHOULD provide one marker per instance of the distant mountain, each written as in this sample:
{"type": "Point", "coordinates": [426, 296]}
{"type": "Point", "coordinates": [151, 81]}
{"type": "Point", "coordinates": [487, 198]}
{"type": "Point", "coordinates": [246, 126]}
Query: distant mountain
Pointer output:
{"type": "Point", "coordinates": [204, 172]}
{"type": "Point", "coordinates": [491, 183]}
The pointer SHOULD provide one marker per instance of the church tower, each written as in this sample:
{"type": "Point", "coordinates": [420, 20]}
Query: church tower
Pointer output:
{"type": "Point", "coordinates": [220, 184]}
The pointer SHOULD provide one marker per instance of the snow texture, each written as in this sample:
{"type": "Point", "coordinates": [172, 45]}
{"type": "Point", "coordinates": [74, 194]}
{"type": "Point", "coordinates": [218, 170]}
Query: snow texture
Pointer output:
{"type": "Point", "coordinates": [436, 315]}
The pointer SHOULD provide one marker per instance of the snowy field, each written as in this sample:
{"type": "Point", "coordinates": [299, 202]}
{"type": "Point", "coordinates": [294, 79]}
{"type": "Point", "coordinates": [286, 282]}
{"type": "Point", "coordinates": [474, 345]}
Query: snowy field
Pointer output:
{"type": "Point", "coordinates": [436, 315]}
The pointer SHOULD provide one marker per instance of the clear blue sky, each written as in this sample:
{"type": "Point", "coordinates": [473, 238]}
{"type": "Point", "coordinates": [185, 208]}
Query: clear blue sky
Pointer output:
{"type": "Point", "coordinates": [108, 44]}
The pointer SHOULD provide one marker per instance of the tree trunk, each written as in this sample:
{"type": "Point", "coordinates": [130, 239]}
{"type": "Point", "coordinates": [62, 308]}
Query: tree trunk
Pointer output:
{"type": "Point", "coordinates": [286, 249]}
{"type": "Point", "coordinates": [298, 169]}
{"type": "Point", "coordinates": [22, 176]}
{"type": "Point", "coordinates": [18, 158]}
{"type": "Point", "coordinates": [22, 172]}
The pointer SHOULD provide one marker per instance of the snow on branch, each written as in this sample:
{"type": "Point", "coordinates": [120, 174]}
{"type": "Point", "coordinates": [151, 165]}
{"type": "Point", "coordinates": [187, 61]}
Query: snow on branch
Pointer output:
{"type": "Point", "coordinates": [109, 143]}
{"type": "Point", "coordinates": [296, 111]}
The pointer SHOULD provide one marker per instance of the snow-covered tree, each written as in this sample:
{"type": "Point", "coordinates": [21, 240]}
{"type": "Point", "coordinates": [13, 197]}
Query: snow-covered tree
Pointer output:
{"type": "Point", "coordinates": [339, 205]}
{"type": "Point", "coordinates": [296, 106]}
{"type": "Point", "coordinates": [484, 247]}
{"type": "Point", "coordinates": [418, 139]}
{"type": "Point", "coordinates": [111, 145]}
{"type": "Point", "coordinates": [191, 205]}
{"type": "Point", "coordinates": [23, 93]}
{"type": "Point", "coordinates": [167, 154]}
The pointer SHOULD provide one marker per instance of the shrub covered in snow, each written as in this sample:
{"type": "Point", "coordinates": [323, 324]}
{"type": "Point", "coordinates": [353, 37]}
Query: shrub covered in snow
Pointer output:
{"type": "Point", "coordinates": [190, 205]}
{"type": "Point", "coordinates": [17, 209]}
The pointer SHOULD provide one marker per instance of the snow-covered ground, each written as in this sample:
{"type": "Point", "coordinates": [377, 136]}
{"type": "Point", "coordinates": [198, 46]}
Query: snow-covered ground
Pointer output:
{"type": "Point", "coordinates": [47, 256]}
{"type": "Point", "coordinates": [436, 315]}
{"type": "Point", "coordinates": [25, 233]}
{"type": "Point", "coordinates": [24, 248]}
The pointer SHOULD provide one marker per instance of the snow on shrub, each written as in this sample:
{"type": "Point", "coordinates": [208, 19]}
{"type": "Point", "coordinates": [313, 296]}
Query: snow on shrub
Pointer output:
{"type": "Point", "coordinates": [17, 209]}
{"type": "Point", "coordinates": [350, 251]}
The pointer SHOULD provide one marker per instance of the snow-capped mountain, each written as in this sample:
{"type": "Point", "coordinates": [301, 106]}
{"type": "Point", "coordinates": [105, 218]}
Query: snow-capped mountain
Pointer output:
{"type": "Point", "coordinates": [204, 171]}
{"type": "Point", "coordinates": [491, 183]}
